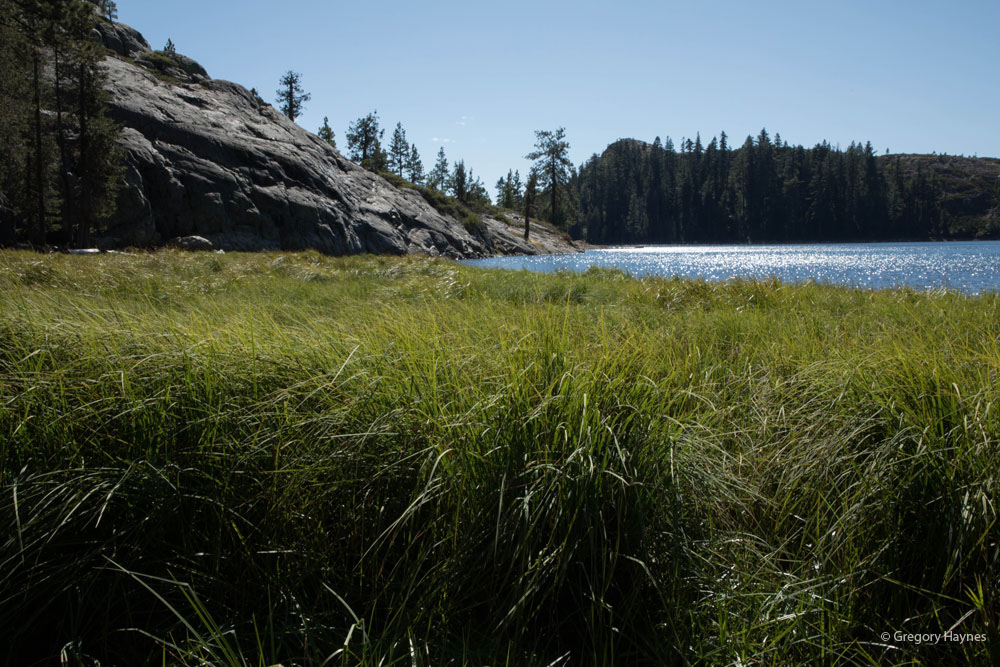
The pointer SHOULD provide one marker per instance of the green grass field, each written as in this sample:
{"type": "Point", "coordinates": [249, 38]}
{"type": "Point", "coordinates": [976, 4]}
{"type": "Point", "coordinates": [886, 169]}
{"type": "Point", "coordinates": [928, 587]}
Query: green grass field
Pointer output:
{"type": "Point", "coordinates": [261, 459]}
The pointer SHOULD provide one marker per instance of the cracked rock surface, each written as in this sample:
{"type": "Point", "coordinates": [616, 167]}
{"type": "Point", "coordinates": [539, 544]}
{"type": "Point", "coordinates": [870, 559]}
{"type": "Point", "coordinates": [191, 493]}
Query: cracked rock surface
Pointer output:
{"type": "Point", "coordinates": [207, 158]}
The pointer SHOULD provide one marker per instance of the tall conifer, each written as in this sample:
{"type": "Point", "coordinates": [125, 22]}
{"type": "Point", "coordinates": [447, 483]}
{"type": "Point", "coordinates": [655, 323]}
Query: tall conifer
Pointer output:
{"type": "Point", "coordinates": [551, 156]}
{"type": "Point", "coordinates": [364, 141]}
{"type": "Point", "coordinates": [438, 178]}
{"type": "Point", "coordinates": [530, 194]}
{"type": "Point", "coordinates": [399, 150]}
{"type": "Point", "coordinates": [414, 166]}
{"type": "Point", "coordinates": [458, 182]}
{"type": "Point", "coordinates": [291, 97]}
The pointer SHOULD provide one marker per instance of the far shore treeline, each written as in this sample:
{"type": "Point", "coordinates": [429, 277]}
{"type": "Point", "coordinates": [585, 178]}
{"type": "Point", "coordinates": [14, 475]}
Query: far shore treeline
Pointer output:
{"type": "Point", "coordinates": [769, 191]}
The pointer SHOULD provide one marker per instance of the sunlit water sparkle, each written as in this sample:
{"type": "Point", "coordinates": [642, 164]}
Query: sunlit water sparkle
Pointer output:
{"type": "Point", "coordinates": [971, 267]}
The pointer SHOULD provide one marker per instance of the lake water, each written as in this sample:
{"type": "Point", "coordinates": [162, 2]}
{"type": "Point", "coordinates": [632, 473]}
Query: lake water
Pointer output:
{"type": "Point", "coordinates": [970, 267]}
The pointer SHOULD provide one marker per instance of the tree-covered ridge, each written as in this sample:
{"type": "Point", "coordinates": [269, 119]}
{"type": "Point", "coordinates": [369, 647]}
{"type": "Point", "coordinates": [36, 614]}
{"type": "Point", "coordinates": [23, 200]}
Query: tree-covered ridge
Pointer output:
{"type": "Point", "coordinates": [767, 190]}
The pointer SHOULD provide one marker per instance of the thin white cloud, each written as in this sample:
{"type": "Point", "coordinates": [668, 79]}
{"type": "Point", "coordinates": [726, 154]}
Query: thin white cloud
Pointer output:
{"type": "Point", "coordinates": [443, 140]}
{"type": "Point", "coordinates": [463, 121]}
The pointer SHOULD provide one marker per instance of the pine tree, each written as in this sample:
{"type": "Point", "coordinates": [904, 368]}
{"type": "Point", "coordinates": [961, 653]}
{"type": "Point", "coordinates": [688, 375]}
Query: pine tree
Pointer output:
{"type": "Point", "coordinates": [169, 48]}
{"type": "Point", "coordinates": [99, 155]}
{"type": "Point", "coordinates": [530, 193]}
{"type": "Point", "coordinates": [364, 138]}
{"type": "Point", "coordinates": [325, 132]}
{"type": "Point", "coordinates": [290, 95]}
{"type": "Point", "coordinates": [61, 76]}
{"type": "Point", "coordinates": [399, 150]}
{"type": "Point", "coordinates": [438, 178]}
{"type": "Point", "coordinates": [476, 193]}
{"type": "Point", "coordinates": [73, 160]}
{"type": "Point", "coordinates": [15, 114]}
{"type": "Point", "coordinates": [40, 159]}
{"type": "Point", "coordinates": [458, 182]}
{"type": "Point", "coordinates": [517, 196]}
{"type": "Point", "coordinates": [41, 23]}
{"type": "Point", "coordinates": [109, 10]}
{"type": "Point", "coordinates": [414, 166]}
{"type": "Point", "coordinates": [551, 157]}
{"type": "Point", "coordinates": [507, 191]}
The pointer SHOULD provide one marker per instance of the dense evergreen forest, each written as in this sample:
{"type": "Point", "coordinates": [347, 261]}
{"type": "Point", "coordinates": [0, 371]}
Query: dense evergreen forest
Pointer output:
{"type": "Point", "coordinates": [769, 191]}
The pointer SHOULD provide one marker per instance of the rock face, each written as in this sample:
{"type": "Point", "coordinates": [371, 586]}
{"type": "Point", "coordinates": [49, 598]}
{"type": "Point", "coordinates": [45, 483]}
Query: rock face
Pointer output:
{"type": "Point", "coordinates": [506, 237]}
{"type": "Point", "coordinates": [208, 158]}
{"type": "Point", "coordinates": [122, 39]}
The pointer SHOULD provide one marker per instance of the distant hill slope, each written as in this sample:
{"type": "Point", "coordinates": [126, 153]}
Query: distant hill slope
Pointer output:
{"type": "Point", "coordinates": [209, 158]}
{"type": "Point", "coordinates": [970, 187]}
{"type": "Point", "coordinates": [768, 191]}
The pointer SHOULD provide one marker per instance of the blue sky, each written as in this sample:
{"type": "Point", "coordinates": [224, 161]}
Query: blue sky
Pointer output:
{"type": "Point", "coordinates": [480, 78]}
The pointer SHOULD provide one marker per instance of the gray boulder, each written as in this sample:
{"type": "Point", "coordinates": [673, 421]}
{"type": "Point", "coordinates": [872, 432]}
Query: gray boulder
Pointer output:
{"type": "Point", "coordinates": [192, 243]}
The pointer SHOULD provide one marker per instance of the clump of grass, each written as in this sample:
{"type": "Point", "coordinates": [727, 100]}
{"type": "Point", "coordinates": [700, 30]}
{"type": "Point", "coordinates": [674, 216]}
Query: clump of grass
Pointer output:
{"type": "Point", "coordinates": [253, 459]}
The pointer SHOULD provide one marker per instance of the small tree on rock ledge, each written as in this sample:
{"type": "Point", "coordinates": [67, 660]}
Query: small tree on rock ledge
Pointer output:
{"type": "Point", "coordinates": [290, 95]}
{"type": "Point", "coordinates": [325, 133]}
{"type": "Point", "coordinates": [364, 141]}
{"type": "Point", "coordinates": [109, 9]}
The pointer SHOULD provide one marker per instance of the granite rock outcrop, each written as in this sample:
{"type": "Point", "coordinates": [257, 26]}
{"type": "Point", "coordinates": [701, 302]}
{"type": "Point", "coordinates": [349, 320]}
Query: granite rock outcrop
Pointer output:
{"type": "Point", "coordinates": [209, 158]}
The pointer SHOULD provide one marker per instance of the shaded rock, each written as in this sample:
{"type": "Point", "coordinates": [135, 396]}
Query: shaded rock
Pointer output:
{"type": "Point", "coordinates": [193, 243]}
{"type": "Point", "coordinates": [133, 224]}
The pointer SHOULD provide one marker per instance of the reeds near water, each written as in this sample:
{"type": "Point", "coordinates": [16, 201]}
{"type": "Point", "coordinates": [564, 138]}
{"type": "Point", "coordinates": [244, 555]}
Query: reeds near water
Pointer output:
{"type": "Point", "coordinates": [254, 459]}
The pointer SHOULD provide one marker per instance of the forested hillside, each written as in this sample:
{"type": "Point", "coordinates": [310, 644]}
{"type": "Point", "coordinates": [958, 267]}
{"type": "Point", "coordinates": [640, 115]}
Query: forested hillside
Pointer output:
{"type": "Point", "coordinates": [767, 190]}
